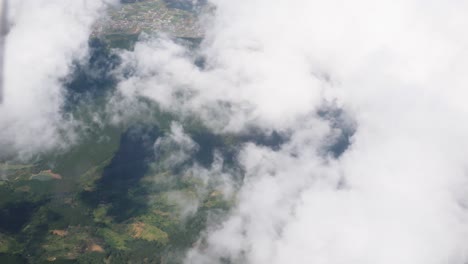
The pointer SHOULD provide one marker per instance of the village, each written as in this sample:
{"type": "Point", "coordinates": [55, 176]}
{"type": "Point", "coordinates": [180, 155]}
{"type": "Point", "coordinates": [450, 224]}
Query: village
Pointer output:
{"type": "Point", "coordinates": [150, 16]}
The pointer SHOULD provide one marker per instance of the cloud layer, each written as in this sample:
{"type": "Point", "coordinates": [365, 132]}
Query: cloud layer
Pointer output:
{"type": "Point", "coordinates": [44, 39]}
{"type": "Point", "coordinates": [396, 68]}
{"type": "Point", "coordinates": [398, 194]}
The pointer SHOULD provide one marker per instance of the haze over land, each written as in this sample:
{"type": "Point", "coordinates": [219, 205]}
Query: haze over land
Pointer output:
{"type": "Point", "coordinates": [248, 131]}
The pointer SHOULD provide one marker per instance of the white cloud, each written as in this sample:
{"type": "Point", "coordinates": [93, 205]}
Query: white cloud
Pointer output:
{"type": "Point", "coordinates": [398, 194]}
{"type": "Point", "coordinates": [46, 36]}
{"type": "Point", "coordinates": [175, 148]}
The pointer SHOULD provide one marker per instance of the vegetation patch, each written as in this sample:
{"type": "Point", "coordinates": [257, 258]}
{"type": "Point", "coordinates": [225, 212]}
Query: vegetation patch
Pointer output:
{"type": "Point", "coordinates": [68, 244]}
{"type": "Point", "coordinates": [140, 230]}
{"type": "Point", "coordinates": [114, 239]}
{"type": "Point", "coordinates": [8, 244]}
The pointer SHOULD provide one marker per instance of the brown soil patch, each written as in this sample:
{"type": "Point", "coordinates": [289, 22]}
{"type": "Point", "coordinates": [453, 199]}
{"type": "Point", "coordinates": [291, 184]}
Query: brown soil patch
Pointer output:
{"type": "Point", "coordinates": [215, 194]}
{"type": "Point", "coordinates": [54, 175]}
{"type": "Point", "coordinates": [137, 229]}
{"type": "Point", "coordinates": [60, 233]}
{"type": "Point", "coordinates": [95, 248]}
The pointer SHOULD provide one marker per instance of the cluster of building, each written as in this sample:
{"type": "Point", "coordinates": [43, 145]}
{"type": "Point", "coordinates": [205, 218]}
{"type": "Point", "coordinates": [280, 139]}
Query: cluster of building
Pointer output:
{"type": "Point", "coordinates": [150, 16]}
